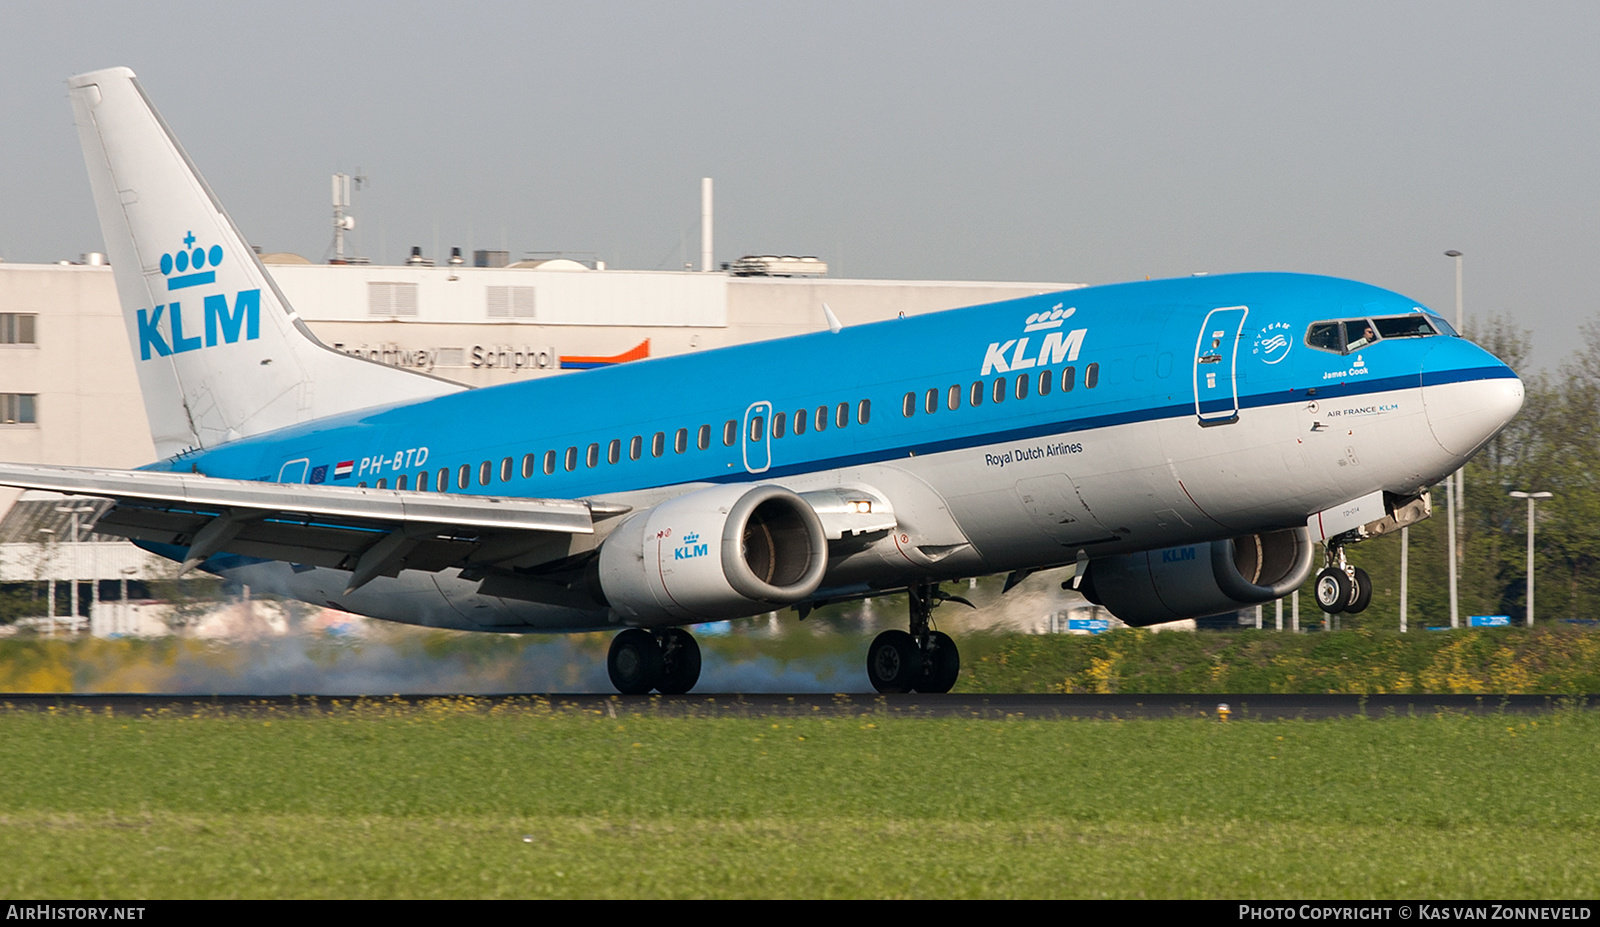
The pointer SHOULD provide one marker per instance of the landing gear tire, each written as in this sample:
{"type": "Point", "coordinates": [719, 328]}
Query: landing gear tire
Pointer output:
{"type": "Point", "coordinates": [635, 663]}
{"type": "Point", "coordinates": [941, 665]}
{"type": "Point", "coordinates": [1360, 593]}
{"type": "Point", "coordinates": [893, 662]}
{"type": "Point", "coordinates": [1334, 590]}
{"type": "Point", "coordinates": [681, 662]}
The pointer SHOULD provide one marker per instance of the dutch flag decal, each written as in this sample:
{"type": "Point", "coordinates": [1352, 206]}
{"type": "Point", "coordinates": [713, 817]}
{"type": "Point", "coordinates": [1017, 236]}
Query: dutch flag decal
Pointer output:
{"type": "Point", "coordinates": [343, 469]}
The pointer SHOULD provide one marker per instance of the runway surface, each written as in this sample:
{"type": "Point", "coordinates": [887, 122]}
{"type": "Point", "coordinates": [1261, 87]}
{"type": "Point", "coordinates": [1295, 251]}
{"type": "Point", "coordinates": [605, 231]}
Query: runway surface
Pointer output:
{"type": "Point", "coordinates": [1241, 707]}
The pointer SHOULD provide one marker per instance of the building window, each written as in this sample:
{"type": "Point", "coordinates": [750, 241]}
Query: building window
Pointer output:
{"type": "Point", "coordinates": [509, 302]}
{"type": "Point", "coordinates": [19, 408]}
{"type": "Point", "coordinates": [16, 328]}
{"type": "Point", "coordinates": [392, 300]}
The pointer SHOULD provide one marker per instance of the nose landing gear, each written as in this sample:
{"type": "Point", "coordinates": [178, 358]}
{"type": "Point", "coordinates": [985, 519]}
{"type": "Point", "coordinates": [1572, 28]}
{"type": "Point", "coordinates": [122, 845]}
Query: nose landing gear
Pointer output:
{"type": "Point", "coordinates": [923, 660]}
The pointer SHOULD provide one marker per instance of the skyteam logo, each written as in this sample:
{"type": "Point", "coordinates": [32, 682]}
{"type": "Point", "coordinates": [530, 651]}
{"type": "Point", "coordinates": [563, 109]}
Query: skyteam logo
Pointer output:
{"type": "Point", "coordinates": [1273, 343]}
{"type": "Point", "coordinates": [1055, 347]}
{"type": "Point", "coordinates": [184, 268]}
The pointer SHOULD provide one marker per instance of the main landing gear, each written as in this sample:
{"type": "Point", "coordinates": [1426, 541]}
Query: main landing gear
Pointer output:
{"type": "Point", "coordinates": [922, 660]}
{"type": "Point", "coordinates": [1342, 587]}
{"type": "Point", "coordinates": [667, 661]}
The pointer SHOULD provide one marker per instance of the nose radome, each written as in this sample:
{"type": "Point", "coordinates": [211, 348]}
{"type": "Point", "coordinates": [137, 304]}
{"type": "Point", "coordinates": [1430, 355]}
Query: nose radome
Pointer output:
{"type": "Point", "coordinates": [1467, 407]}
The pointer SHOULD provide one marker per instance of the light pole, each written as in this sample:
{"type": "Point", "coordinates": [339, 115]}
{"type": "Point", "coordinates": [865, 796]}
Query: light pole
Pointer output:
{"type": "Point", "coordinates": [77, 554]}
{"type": "Point", "coordinates": [1533, 498]}
{"type": "Point", "coordinates": [1455, 486]}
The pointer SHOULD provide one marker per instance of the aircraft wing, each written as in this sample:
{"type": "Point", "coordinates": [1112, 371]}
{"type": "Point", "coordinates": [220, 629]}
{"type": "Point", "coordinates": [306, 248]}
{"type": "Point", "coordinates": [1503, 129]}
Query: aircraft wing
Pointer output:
{"type": "Point", "coordinates": [369, 532]}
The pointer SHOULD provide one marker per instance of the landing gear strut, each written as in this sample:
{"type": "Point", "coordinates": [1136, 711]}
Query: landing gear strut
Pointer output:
{"type": "Point", "coordinates": [1342, 587]}
{"type": "Point", "coordinates": [923, 660]}
{"type": "Point", "coordinates": [667, 661]}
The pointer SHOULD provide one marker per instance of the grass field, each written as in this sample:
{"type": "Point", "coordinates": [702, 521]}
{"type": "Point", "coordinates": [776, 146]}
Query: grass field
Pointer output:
{"type": "Point", "coordinates": [452, 800]}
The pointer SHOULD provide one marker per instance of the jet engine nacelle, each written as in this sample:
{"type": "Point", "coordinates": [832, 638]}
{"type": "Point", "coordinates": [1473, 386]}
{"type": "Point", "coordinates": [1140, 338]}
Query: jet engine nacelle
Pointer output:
{"type": "Point", "coordinates": [1200, 579]}
{"type": "Point", "coordinates": [724, 552]}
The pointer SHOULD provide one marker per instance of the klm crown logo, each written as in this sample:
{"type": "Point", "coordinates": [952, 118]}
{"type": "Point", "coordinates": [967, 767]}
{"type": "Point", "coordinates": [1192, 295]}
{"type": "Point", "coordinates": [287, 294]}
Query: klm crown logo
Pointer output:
{"type": "Point", "coordinates": [184, 268]}
{"type": "Point", "coordinates": [184, 259]}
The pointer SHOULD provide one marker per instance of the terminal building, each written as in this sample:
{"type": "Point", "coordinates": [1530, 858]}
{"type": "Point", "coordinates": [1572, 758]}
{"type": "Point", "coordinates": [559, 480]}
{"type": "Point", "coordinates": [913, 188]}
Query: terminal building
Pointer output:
{"type": "Point", "coordinates": [69, 395]}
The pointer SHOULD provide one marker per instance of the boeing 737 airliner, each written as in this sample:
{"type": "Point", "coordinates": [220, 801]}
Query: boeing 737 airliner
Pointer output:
{"type": "Point", "coordinates": [1184, 443]}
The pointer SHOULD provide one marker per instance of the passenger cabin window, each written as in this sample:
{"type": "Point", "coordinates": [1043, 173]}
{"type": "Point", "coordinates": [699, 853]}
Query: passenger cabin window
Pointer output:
{"type": "Point", "coordinates": [730, 433]}
{"type": "Point", "coordinates": [1022, 386]}
{"type": "Point", "coordinates": [658, 444]}
{"type": "Point", "coordinates": [528, 464]}
{"type": "Point", "coordinates": [908, 405]}
{"type": "Point", "coordinates": [1044, 382]}
{"type": "Point", "coordinates": [443, 482]}
{"type": "Point", "coordinates": [779, 421]}
{"type": "Point", "coordinates": [758, 428]}
{"type": "Point", "coordinates": [636, 448]}
{"type": "Point", "coordinates": [930, 402]}
{"type": "Point", "coordinates": [614, 450]}
{"type": "Point", "coordinates": [863, 411]}
{"type": "Point", "coordinates": [505, 470]}
{"type": "Point", "coordinates": [999, 391]}
{"type": "Point", "coordinates": [975, 395]}
{"type": "Point", "coordinates": [422, 481]}
{"type": "Point", "coordinates": [680, 441]}
{"type": "Point", "coordinates": [841, 414]}
{"type": "Point", "coordinates": [822, 418]}
{"type": "Point", "coordinates": [591, 457]}
{"type": "Point", "coordinates": [800, 418]}
{"type": "Point", "coordinates": [549, 462]}
{"type": "Point", "coordinates": [464, 476]}
{"type": "Point", "coordinates": [400, 481]}
{"type": "Point", "coordinates": [485, 473]}
{"type": "Point", "coordinates": [1091, 376]}
{"type": "Point", "coordinates": [571, 463]}
{"type": "Point", "coordinates": [954, 398]}
{"type": "Point", "coordinates": [702, 438]}
{"type": "Point", "coordinates": [1069, 376]}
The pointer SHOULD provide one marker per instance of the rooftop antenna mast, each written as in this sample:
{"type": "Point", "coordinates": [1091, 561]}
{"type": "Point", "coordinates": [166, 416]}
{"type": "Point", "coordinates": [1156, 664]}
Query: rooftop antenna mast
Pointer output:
{"type": "Point", "coordinates": [343, 222]}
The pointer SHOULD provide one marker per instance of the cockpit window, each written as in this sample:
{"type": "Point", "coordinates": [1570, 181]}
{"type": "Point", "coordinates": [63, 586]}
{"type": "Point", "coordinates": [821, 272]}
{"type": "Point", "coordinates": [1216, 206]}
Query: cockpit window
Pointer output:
{"type": "Point", "coordinates": [1358, 333]}
{"type": "Point", "coordinates": [1347, 335]}
{"type": "Point", "coordinates": [1408, 326]}
{"type": "Point", "coordinates": [1326, 336]}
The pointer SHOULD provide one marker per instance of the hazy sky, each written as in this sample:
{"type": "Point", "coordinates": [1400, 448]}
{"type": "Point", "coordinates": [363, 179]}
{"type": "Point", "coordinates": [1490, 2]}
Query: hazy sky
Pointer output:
{"type": "Point", "coordinates": [1059, 141]}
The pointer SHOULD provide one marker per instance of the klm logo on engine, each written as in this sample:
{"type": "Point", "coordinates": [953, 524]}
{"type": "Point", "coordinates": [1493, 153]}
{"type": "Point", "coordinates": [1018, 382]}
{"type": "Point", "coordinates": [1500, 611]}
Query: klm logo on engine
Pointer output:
{"type": "Point", "coordinates": [223, 324]}
{"type": "Point", "coordinates": [1054, 347]}
{"type": "Point", "coordinates": [690, 548]}
{"type": "Point", "coordinates": [1177, 555]}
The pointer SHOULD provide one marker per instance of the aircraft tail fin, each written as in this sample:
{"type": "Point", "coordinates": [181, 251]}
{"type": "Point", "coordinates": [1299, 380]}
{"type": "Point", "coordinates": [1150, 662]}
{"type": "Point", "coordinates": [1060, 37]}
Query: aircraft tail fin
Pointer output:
{"type": "Point", "coordinates": [220, 352]}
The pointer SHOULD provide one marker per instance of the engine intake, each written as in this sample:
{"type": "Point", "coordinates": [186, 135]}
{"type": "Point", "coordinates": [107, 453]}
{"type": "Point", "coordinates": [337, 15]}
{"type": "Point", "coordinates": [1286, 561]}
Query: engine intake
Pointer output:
{"type": "Point", "coordinates": [724, 552]}
{"type": "Point", "coordinates": [1200, 579]}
